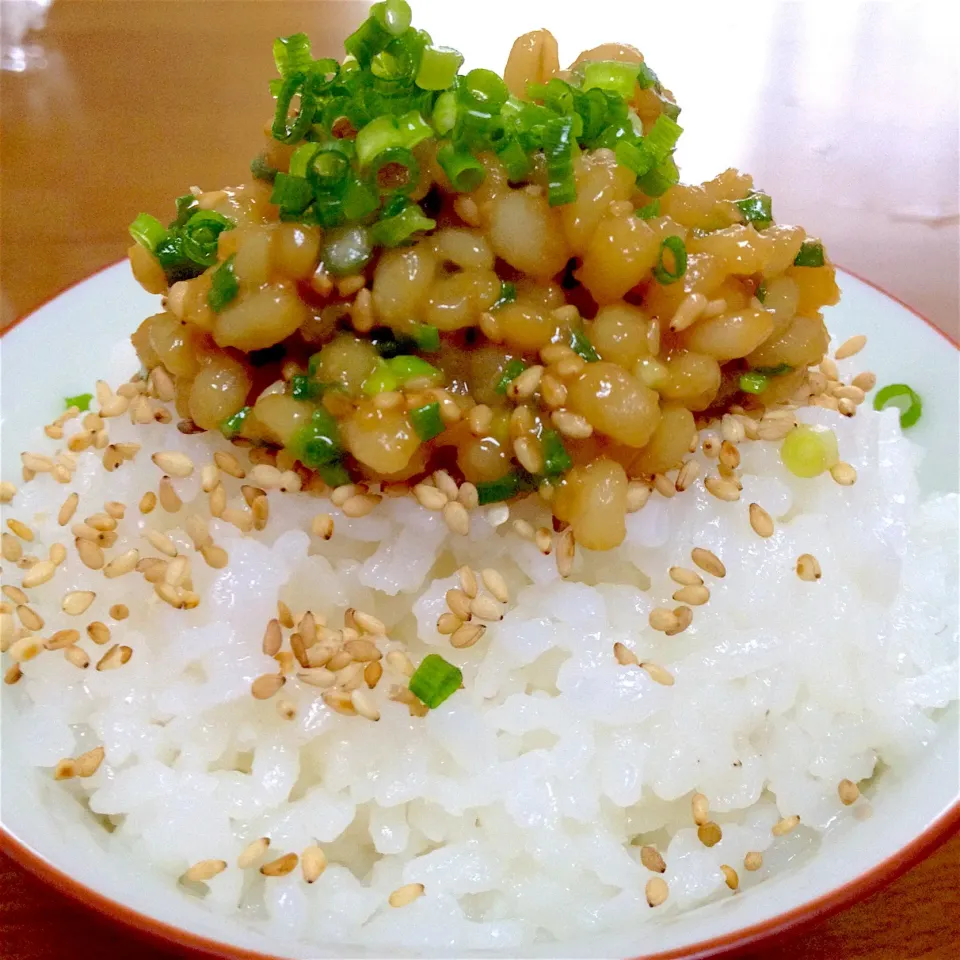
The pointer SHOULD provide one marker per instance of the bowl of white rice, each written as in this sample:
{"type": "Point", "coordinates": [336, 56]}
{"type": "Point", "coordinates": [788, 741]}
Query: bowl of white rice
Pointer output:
{"type": "Point", "coordinates": [810, 724]}
{"type": "Point", "coordinates": [485, 545]}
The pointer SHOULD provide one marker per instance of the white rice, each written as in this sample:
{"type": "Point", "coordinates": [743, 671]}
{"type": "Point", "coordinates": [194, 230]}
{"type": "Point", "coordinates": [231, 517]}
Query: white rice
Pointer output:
{"type": "Point", "coordinates": [521, 803]}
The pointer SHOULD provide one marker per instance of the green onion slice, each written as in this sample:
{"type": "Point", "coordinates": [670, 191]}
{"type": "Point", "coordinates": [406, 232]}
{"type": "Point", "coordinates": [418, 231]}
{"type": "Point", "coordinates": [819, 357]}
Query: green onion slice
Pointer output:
{"type": "Point", "coordinates": [777, 371]}
{"type": "Point", "coordinates": [761, 292]}
{"type": "Point", "coordinates": [292, 54]}
{"type": "Point", "coordinates": [676, 247]}
{"type": "Point", "coordinates": [317, 443]}
{"type": "Point", "coordinates": [407, 367]}
{"type": "Point", "coordinates": [291, 194]}
{"type": "Point", "coordinates": [462, 168]}
{"type": "Point", "coordinates": [556, 460]}
{"type": "Point", "coordinates": [224, 286]}
{"type": "Point", "coordinates": [427, 421]}
{"type": "Point", "coordinates": [200, 235]}
{"type": "Point", "coordinates": [757, 208]}
{"type": "Point", "coordinates": [902, 396]}
{"type": "Point", "coordinates": [615, 76]}
{"type": "Point", "coordinates": [393, 15]}
{"type": "Point", "coordinates": [284, 129]}
{"type": "Point", "coordinates": [232, 426]}
{"type": "Point", "coordinates": [304, 387]}
{"type": "Point", "coordinates": [427, 338]}
{"type": "Point", "coordinates": [81, 401]}
{"type": "Point", "coordinates": [512, 369]}
{"type": "Point", "coordinates": [810, 254]}
{"type": "Point", "coordinates": [396, 230]}
{"type": "Point", "coordinates": [148, 231]}
{"type": "Point", "coordinates": [382, 380]}
{"type": "Point", "coordinates": [435, 680]}
{"type": "Point", "coordinates": [582, 346]}
{"type": "Point", "coordinates": [652, 209]}
{"type": "Point", "coordinates": [395, 170]}
{"type": "Point", "coordinates": [508, 293]}
{"type": "Point", "coordinates": [753, 382]}
{"type": "Point", "coordinates": [438, 68]}
{"type": "Point", "coordinates": [333, 474]}
{"type": "Point", "coordinates": [558, 144]}
{"type": "Point", "coordinates": [507, 487]}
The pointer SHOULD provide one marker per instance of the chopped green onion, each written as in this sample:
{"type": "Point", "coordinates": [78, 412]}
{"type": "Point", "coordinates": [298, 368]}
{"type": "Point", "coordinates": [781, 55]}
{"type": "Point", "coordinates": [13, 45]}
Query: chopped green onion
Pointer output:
{"type": "Point", "coordinates": [512, 369]}
{"type": "Point", "coordinates": [393, 15]}
{"type": "Point", "coordinates": [382, 380]}
{"type": "Point", "coordinates": [761, 292]}
{"type": "Point", "coordinates": [617, 77]}
{"type": "Point", "coordinates": [427, 421]}
{"type": "Point", "coordinates": [646, 77]}
{"type": "Point", "coordinates": [300, 157]}
{"type": "Point", "coordinates": [327, 167]}
{"type": "Point", "coordinates": [558, 143]}
{"type": "Point", "coordinates": [810, 254]}
{"type": "Point", "coordinates": [346, 250]}
{"type": "Point", "coordinates": [677, 247]}
{"type": "Point", "coordinates": [304, 387]}
{"type": "Point", "coordinates": [662, 138]}
{"type": "Point", "coordinates": [582, 346]}
{"type": "Point", "coordinates": [326, 212]}
{"type": "Point", "coordinates": [317, 443]}
{"type": "Point", "coordinates": [81, 401]}
{"type": "Point", "coordinates": [291, 194]}
{"type": "Point", "coordinates": [462, 168]}
{"type": "Point", "coordinates": [445, 112]}
{"type": "Point", "coordinates": [262, 169]}
{"type": "Point", "coordinates": [292, 54]}
{"type": "Point", "coordinates": [753, 382]}
{"type": "Point", "coordinates": [232, 426]}
{"type": "Point", "coordinates": [658, 181]}
{"type": "Point", "coordinates": [187, 206]}
{"type": "Point", "coordinates": [148, 231]}
{"type": "Point", "coordinates": [809, 451]}
{"type": "Point", "coordinates": [508, 293]}
{"type": "Point", "coordinates": [408, 367]}
{"type": "Point", "coordinates": [435, 680]}
{"type": "Point", "coordinates": [494, 491]}
{"type": "Point", "coordinates": [757, 208]}
{"type": "Point", "coordinates": [367, 41]}
{"type": "Point", "coordinates": [438, 68]}
{"type": "Point", "coordinates": [556, 460]}
{"type": "Point", "coordinates": [515, 160]}
{"type": "Point", "coordinates": [777, 371]}
{"type": "Point", "coordinates": [283, 129]}
{"type": "Point", "coordinates": [889, 395]}
{"type": "Point", "coordinates": [200, 236]}
{"type": "Point", "coordinates": [333, 474]}
{"type": "Point", "coordinates": [395, 170]}
{"type": "Point", "coordinates": [485, 88]}
{"type": "Point", "coordinates": [633, 157]}
{"type": "Point", "coordinates": [387, 131]}
{"type": "Point", "coordinates": [413, 129]}
{"type": "Point", "coordinates": [224, 286]}
{"type": "Point", "coordinates": [393, 231]}
{"type": "Point", "coordinates": [652, 209]}
{"type": "Point", "coordinates": [359, 200]}
{"type": "Point", "coordinates": [427, 338]}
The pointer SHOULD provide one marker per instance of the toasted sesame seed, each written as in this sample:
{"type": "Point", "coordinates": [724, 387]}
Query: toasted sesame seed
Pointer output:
{"type": "Point", "coordinates": [88, 763]}
{"type": "Point", "coordinates": [638, 493]}
{"type": "Point", "coordinates": [241, 519]}
{"type": "Point", "coordinates": [405, 895]}
{"type": "Point", "coordinates": [730, 876]}
{"type": "Point", "coordinates": [456, 517]}
{"type": "Point", "coordinates": [753, 860]}
{"type": "Point", "coordinates": [339, 661]}
{"type": "Point", "coordinates": [722, 488]}
{"type": "Point", "coordinates": [368, 623]}
{"type": "Point", "coordinates": [65, 770]}
{"type": "Point", "coordinates": [468, 581]}
{"type": "Point", "coordinates": [650, 857]}
{"type": "Point", "coordinates": [119, 611]}
{"type": "Point", "coordinates": [322, 526]}
{"type": "Point", "coordinates": [664, 486]}
{"type": "Point", "coordinates": [98, 632]}
{"type": "Point", "coordinates": [866, 381]}
{"type": "Point", "coordinates": [7, 491]}
{"type": "Point", "coordinates": [68, 509]}
{"type": "Point", "coordinates": [253, 852]}
{"type": "Point", "coordinates": [340, 702]}
{"type": "Point", "coordinates": [173, 462]}
{"type": "Point", "coordinates": [147, 502]}
{"type": "Point", "coordinates": [729, 455]}
{"type": "Point", "coordinates": [10, 547]}
{"type": "Point", "coordinates": [843, 474]}
{"type": "Point", "coordinates": [265, 686]}
{"type": "Point", "coordinates": [784, 826]}
{"type": "Point", "coordinates": [41, 572]}
{"type": "Point", "coordinates": [13, 674]}
{"type": "Point", "coordinates": [543, 539]}
{"type": "Point", "coordinates": [62, 639]}
{"type": "Point", "coordinates": [122, 564]}
{"type": "Point", "coordinates": [362, 650]}
{"type": "Point", "coordinates": [731, 429]}
{"type": "Point", "coordinates": [808, 567]}
{"type": "Point", "coordinates": [169, 498]}
{"type": "Point", "coordinates": [281, 866]}
{"type": "Point", "coordinates": [272, 638]}
{"type": "Point", "coordinates": [685, 577]}
{"type": "Point", "coordinates": [687, 474]}
{"type": "Point", "coordinates": [313, 861]}
{"type": "Point", "coordinates": [467, 635]}
{"type": "Point", "coordinates": [624, 655]}
{"type": "Point", "coordinates": [850, 347]}
{"type": "Point", "coordinates": [446, 484]}
{"type": "Point", "coordinates": [689, 312]}
{"type": "Point", "coordinates": [115, 657]}
{"type": "Point", "coordinates": [571, 424]}
{"type": "Point", "coordinates": [662, 619]}
{"type": "Point", "coordinates": [364, 705]}
{"type": "Point", "coordinates": [684, 617]}
{"type": "Point", "coordinates": [77, 657]}
{"type": "Point", "coordinates": [708, 561]}
{"type": "Point", "coordinates": [848, 792]}
{"type": "Point", "coordinates": [372, 673]}
{"type": "Point", "coordinates": [20, 529]}
{"type": "Point", "coordinates": [37, 462]}
{"type": "Point", "coordinates": [430, 497]}
{"type": "Point", "coordinates": [694, 596]}
{"type": "Point", "coordinates": [656, 891]}
{"type": "Point", "coordinates": [215, 557]}
{"type": "Point", "coordinates": [458, 602]}
{"type": "Point", "coordinates": [486, 608]}
{"type": "Point", "coordinates": [317, 676]}
{"type": "Point", "coordinates": [709, 833]}
{"type": "Point", "coordinates": [205, 870]}
{"type": "Point", "coordinates": [494, 582]}
{"type": "Point", "coordinates": [400, 663]}
{"type": "Point", "coordinates": [229, 464]}
{"type": "Point", "coordinates": [761, 521]}
{"type": "Point", "coordinates": [29, 617]}
{"type": "Point", "coordinates": [218, 501]}
{"type": "Point", "coordinates": [161, 542]}
{"type": "Point", "coordinates": [24, 649]}
{"type": "Point", "coordinates": [284, 615]}
{"type": "Point", "coordinates": [657, 673]}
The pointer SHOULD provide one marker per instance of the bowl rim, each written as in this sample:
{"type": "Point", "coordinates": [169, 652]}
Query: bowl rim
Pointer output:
{"type": "Point", "coordinates": [806, 914]}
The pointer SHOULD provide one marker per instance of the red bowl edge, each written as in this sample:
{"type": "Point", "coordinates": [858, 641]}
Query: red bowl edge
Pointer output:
{"type": "Point", "coordinates": [806, 914]}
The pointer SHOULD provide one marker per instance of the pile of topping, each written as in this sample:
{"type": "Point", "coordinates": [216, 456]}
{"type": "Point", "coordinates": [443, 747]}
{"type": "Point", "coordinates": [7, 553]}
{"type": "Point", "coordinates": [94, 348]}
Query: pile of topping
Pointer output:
{"type": "Point", "coordinates": [500, 277]}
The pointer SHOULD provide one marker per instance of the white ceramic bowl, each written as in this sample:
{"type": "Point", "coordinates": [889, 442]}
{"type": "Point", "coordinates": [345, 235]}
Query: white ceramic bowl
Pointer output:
{"type": "Point", "coordinates": [82, 335]}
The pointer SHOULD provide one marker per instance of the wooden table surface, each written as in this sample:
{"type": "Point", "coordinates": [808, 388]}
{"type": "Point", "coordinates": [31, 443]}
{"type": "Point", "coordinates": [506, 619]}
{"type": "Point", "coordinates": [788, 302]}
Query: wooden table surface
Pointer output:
{"type": "Point", "coordinates": [845, 112]}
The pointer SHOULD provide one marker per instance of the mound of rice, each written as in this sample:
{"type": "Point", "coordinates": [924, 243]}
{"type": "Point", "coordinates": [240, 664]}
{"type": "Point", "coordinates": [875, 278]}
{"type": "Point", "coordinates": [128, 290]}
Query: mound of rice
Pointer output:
{"type": "Point", "coordinates": [522, 803]}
